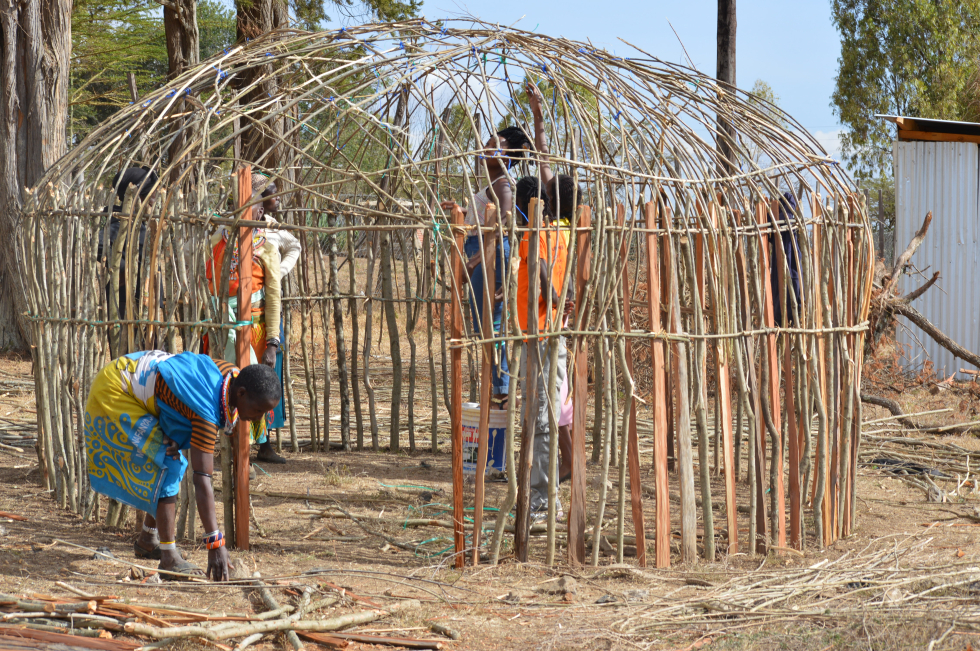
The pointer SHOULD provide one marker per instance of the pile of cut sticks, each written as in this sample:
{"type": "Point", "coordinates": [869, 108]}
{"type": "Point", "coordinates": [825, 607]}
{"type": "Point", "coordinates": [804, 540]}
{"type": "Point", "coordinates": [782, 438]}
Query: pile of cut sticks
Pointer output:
{"type": "Point", "coordinates": [106, 617]}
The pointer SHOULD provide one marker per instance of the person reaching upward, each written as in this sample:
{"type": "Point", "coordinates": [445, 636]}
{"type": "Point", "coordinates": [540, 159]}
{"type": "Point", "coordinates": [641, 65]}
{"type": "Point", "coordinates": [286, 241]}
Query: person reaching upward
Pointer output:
{"type": "Point", "coordinates": [494, 161]}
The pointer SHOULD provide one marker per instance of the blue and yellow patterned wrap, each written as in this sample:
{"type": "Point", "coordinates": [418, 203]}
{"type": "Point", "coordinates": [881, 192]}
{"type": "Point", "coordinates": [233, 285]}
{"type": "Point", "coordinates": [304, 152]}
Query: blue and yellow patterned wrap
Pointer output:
{"type": "Point", "coordinates": [125, 424]}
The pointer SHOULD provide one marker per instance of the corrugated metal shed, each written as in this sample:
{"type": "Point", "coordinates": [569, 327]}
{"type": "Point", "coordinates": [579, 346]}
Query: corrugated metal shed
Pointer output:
{"type": "Point", "coordinates": [941, 177]}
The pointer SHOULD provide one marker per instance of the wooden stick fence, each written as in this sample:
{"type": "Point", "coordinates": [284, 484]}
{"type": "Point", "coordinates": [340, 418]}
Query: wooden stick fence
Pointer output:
{"type": "Point", "coordinates": [677, 273]}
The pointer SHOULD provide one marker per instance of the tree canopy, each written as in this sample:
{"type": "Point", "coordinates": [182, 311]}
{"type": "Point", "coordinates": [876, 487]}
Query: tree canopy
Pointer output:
{"type": "Point", "coordinates": [907, 57]}
{"type": "Point", "coordinates": [111, 38]}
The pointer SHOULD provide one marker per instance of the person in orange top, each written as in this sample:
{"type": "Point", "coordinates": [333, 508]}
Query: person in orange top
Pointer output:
{"type": "Point", "coordinates": [266, 308]}
{"type": "Point", "coordinates": [552, 263]}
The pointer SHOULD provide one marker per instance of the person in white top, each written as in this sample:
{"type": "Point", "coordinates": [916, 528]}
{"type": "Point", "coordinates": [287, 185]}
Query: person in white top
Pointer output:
{"type": "Point", "coordinates": [495, 159]}
{"type": "Point", "coordinates": [289, 249]}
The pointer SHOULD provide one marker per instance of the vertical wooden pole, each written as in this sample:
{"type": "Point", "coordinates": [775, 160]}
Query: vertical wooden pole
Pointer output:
{"type": "Point", "coordinates": [725, 406]}
{"type": "Point", "coordinates": [818, 319]}
{"type": "Point", "coordinates": [486, 326]}
{"type": "Point", "coordinates": [633, 444]}
{"type": "Point", "coordinates": [523, 515]}
{"type": "Point", "coordinates": [456, 398]}
{"type": "Point", "coordinates": [658, 352]}
{"type": "Point", "coordinates": [773, 363]}
{"type": "Point", "coordinates": [243, 344]}
{"type": "Point", "coordinates": [847, 480]}
{"type": "Point", "coordinates": [789, 396]}
{"type": "Point", "coordinates": [685, 455]}
{"type": "Point", "coordinates": [759, 468]}
{"type": "Point", "coordinates": [834, 393]}
{"type": "Point", "coordinates": [580, 389]}
{"type": "Point", "coordinates": [664, 221]}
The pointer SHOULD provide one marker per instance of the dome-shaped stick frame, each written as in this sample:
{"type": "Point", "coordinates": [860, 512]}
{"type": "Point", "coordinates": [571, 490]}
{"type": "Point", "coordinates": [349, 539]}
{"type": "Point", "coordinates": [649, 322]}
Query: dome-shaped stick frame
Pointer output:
{"type": "Point", "coordinates": [365, 131]}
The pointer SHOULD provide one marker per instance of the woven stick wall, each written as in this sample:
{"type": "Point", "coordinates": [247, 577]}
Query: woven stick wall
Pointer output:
{"type": "Point", "coordinates": [680, 260]}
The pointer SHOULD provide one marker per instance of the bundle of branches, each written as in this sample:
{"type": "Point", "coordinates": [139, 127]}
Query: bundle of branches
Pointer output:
{"type": "Point", "coordinates": [95, 616]}
{"type": "Point", "coordinates": [894, 577]}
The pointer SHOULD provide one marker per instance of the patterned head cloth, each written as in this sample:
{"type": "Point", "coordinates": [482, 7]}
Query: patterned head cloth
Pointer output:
{"type": "Point", "coordinates": [259, 183]}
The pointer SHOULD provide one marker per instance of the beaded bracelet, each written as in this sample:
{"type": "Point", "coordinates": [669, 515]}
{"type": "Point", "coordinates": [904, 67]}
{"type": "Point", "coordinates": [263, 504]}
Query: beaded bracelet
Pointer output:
{"type": "Point", "coordinates": [214, 540]}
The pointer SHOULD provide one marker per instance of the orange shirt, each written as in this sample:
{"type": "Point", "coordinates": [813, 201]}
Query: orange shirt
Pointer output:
{"type": "Point", "coordinates": [553, 251]}
{"type": "Point", "coordinates": [212, 270]}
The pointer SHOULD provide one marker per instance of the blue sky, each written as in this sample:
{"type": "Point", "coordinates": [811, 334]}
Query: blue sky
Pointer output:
{"type": "Point", "coordinates": [791, 44]}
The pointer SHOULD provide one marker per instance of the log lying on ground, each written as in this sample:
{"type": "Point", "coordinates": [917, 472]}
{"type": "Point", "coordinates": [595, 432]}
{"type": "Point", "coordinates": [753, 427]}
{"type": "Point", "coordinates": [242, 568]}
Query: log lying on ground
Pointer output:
{"type": "Point", "coordinates": [890, 405]}
{"type": "Point", "coordinates": [318, 626]}
{"type": "Point", "coordinates": [239, 572]}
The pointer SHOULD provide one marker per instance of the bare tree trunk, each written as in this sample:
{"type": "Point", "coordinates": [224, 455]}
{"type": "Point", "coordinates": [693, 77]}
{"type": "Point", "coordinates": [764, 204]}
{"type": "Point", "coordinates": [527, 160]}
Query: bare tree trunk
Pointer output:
{"type": "Point", "coordinates": [35, 46]}
{"type": "Point", "coordinates": [261, 144]}
{"type": "Point", "coordinates": [726, 73]}
{"type": "Point", "coordinates": [183, 41]}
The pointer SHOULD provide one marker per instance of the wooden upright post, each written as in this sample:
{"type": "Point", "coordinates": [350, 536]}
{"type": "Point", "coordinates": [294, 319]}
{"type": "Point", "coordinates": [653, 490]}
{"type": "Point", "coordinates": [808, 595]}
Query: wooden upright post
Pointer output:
{"type": "Point", "coordinates": [658, 353]}
{"type": "Point", "coordinates": [580, 391]}
{"type": "Point", "coordinates": [486, 381]}
{"type": "Point", "coordinates": [769, 320]}
{"type": "Point", "coordinates": [847, 478]}
{"type": "Point", "coordinates": [243, 350]}
{"type": "Point", "coordinates": [523, 520]}
{"type": "Point", "coordinates": [633, 444]}
{"type": "Point", "coordinates": [456, 378]}
{"type": "Point", "coordinates": [823, 443]}
{"type": "Point", "coordinates": [789, 396]}
{"type": "Point", "coordinates": [759, 525]}
{"type": "Point", "coordinates": [664, 220]}
{"type": "Point", "coordinates": [725, 406]}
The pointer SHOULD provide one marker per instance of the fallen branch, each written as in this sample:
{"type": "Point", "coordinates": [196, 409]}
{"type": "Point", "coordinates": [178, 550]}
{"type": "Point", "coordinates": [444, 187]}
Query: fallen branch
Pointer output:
{"type": "Point", "coordinates": [436, 627]}
{"type": "Point", "coordinates": [70, 641]}
{"type": "Point", "coordinates": [267, 599]}
{"type": "Point", "coordinates": [333, 624]}
{"type": "Point", "coordinates": [940, 337]}
{"type": "Point", "coordinates": [890, 405]}
{"type": "Point", "coordinates": [326, 640]}
{"type": "Point", "coordinates": [921, 289]}
{"type": "Point", "coordinates": [404, 642]}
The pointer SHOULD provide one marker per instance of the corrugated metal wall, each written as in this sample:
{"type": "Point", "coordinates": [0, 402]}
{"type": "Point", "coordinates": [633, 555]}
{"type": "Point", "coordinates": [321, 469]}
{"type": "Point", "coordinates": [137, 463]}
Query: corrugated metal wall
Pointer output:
{"type": "Point", "coordinates": [941, 177]}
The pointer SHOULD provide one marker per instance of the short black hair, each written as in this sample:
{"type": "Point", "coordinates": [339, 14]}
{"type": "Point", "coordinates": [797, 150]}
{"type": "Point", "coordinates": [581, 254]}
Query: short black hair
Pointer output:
{"type": "Point", "coordinates": [529, 187]}
{"type": "Point", "coordinates": [517, 140]}
{"type": "Point", "coordinates": [142, 177]}
{"type": "Point", "coordinates": [568, 196]}
{"type": "Point", "coordinates": [260, 383]}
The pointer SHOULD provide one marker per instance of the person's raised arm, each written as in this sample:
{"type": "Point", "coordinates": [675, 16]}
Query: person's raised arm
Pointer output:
{"type": "Point", "coordinates": [535, 99]}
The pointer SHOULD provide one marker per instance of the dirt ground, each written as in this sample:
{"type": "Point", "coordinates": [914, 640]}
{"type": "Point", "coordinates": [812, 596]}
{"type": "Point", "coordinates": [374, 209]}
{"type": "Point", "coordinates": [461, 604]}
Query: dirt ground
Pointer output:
{"type": "Point", "coordinates": [904, 579]}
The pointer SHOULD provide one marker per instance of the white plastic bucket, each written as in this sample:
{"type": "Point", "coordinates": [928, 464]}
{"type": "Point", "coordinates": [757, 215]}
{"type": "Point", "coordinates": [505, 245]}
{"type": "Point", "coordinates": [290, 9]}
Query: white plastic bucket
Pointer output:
{"type": "Point", "coordinates": [471, 438]}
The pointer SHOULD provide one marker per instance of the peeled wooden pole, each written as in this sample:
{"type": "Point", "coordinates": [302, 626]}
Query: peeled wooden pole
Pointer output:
{"type": "Point", "coordinates": [665, 220]}
{"type": "Point", "coordinates": [789, 398]}
{"type": "Point", "coordinates": [724, 391]}
{"type": "Point", "coordinates": [523, 519]}
{"type": "Point", "coordinates": [580, 392]}
{"type": "Point", "coordinates": [632, 445]}
{"type": "Point", "coordinates": [243, 343]}
{"type": "Point", "coordinates": [659, 390]}
{"type": "Point", "coordinates": [456, 399]}
{"type": "Point", "coordinates": [757, 448]}
{"type": "Point", "coordinates": [685, 454]}
{"type": "Point", "coordinates": [772, 369]}
{"type": "Point", "coordinates": [486, 381]}
{"type": "Point", "coordinates": [514, 364]}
